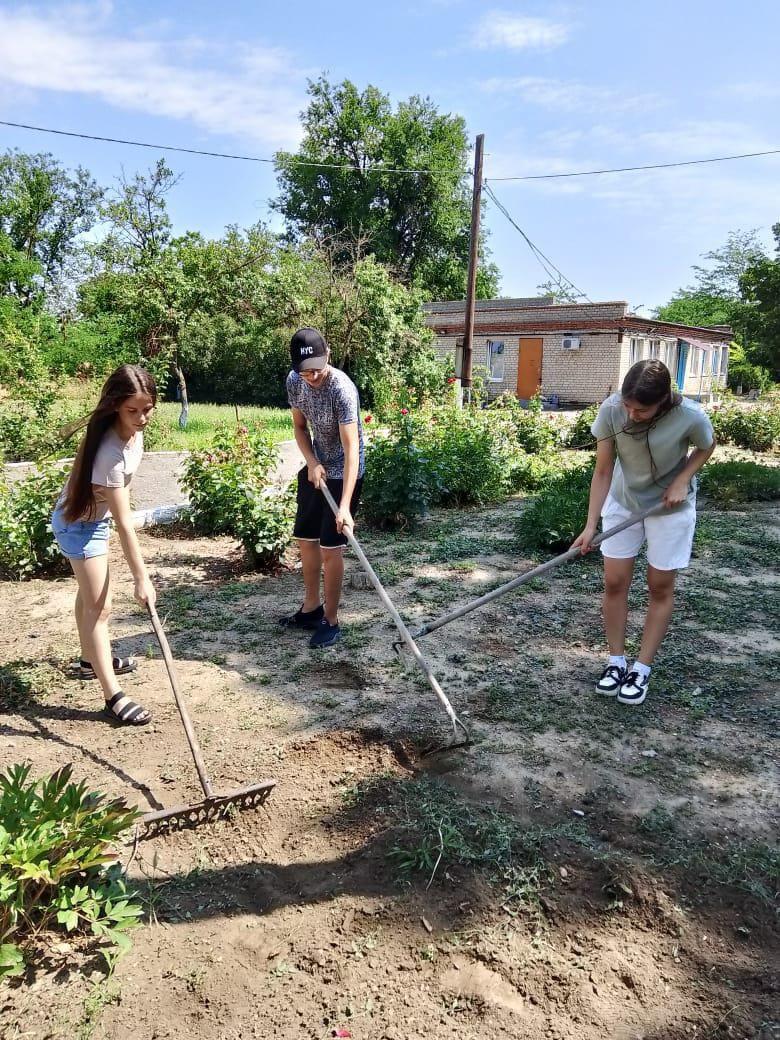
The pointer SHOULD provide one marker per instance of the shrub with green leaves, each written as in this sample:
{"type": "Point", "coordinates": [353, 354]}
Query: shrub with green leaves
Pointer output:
{"type": "Point", "coordinates": [757, 429]}
{"type": "Point", "coordinates": [27, 545]}
{"type": "Point", "coordinates": [730, 483]}
{"type": "Point", "coordinates": [58, 865]}
{"type": "Point", "coordinates": [579, 435]}
{"type": "Point", "coordinates": [473, 451]}
{"type": "Point", "coordinates": [231, 492]}
{"type": "Point", "coordinates": [558, 514]}
{"type": "Point", "coordinates": [531, 430]}
{"type": "Point", "coordinates": [400, 481]}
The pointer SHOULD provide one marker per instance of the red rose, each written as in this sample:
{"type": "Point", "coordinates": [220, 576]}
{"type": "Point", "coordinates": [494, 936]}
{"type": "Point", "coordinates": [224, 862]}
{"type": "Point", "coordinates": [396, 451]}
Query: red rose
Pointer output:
{"type": "Point", "coordinates": [404, 411]}
{"type": "Point", "coordinates": [368, 418]}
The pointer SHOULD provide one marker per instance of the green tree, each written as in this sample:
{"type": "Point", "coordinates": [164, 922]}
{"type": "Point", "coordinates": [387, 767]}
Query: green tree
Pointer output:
{"type": "Point", "coordinates": [760, 286]}
{"type": "Point", "coordinates": [562, 292]}
{"type": "Point", "coordinates": [735, 289]}
{"type": "Point", "coordinates": [44, 209]}
{"type": "Point", "coordinates": [693, 307]}
{"type": "Point", "coordinates": [417, 224]}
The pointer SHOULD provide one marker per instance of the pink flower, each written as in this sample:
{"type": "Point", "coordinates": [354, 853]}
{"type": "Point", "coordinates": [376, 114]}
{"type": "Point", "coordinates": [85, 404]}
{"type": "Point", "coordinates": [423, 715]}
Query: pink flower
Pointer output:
{"type": "Point", "coordinates": [451, 380]}
{"type": "Point", "coordinates": [404, 411]}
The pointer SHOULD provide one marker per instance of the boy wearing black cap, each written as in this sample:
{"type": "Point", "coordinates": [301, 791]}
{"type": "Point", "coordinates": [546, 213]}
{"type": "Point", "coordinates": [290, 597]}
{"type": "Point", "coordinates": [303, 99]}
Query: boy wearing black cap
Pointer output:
{"type": "Point", "coordinates": [326, 417]}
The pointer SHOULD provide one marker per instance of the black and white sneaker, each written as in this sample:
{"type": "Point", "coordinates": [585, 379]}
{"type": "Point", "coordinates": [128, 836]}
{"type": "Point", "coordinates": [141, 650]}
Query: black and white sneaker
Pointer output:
{"type": "Point", "coordinates": [633, 689]}
{"type": "Point", "coordinates": [611, 680]}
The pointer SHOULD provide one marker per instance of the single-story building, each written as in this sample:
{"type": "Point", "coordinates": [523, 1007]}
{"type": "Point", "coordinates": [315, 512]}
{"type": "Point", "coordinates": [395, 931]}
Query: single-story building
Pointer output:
{"type": "Point", "coordinates": [578, 353]}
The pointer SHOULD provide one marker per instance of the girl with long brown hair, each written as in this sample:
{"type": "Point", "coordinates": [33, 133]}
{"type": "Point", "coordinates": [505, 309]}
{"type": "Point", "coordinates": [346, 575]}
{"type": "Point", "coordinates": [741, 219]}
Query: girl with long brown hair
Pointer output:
{"type": "Point", "coordinates": [644, 439]}
{"type": "Point", "coordinates": [96, 492]}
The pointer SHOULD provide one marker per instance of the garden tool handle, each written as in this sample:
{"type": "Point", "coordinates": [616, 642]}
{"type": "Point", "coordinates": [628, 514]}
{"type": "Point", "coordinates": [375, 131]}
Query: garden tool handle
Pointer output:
{"type": "Point", "coordinates": [536, 572]}
{"type": "Point", "coordinates": [189, 730]}
{"type": "Point", "coordinates": [399, 622]}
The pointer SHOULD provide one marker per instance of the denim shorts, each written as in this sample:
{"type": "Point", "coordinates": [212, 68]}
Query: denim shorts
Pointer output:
{"type": "Point", "coordinates": [81, 539]}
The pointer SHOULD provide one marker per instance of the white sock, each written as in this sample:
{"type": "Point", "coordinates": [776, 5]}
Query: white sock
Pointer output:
{"type": "Point", "coordinates": [619, 661]}
{"type": "Point", "coordinates": [642, 670]}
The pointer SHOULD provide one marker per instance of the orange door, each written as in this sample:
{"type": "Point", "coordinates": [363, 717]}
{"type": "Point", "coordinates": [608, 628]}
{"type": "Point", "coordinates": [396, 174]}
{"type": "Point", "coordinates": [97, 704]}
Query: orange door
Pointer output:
{"type": "Point", "coordinates": [529, 367]}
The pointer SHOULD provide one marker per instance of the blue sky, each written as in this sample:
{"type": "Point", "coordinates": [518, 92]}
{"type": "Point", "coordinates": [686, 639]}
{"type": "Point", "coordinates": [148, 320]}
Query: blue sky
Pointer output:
{"type": "Point", "coordinates": [554, 87]}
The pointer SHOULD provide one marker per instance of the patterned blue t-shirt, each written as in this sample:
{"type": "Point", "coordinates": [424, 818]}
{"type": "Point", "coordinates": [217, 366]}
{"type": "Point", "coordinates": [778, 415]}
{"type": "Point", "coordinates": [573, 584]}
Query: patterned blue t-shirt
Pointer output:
{"type": "Point", "coordinates": [331, 405]}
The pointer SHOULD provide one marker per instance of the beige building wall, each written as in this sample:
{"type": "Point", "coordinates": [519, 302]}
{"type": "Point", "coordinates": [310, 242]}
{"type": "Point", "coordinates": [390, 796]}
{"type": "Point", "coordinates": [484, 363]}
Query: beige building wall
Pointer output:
{"type": "Point", "coordinates": [586, 376]}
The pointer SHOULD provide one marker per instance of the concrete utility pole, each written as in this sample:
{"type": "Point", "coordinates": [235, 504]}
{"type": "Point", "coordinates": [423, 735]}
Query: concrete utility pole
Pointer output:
{"type": "Point", "coordinates": [471, 282]}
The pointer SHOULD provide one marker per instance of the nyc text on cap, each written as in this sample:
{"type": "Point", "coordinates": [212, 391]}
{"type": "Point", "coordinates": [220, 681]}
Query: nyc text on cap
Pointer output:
{"type": "Point", "coordinates": [308, 350]}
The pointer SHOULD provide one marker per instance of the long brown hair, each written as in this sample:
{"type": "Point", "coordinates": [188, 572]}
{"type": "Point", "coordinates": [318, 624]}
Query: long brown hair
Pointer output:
{"type": "Point", "coordinates": [649, 382]}
{"type": "Point", "coordinates": [126, 381]}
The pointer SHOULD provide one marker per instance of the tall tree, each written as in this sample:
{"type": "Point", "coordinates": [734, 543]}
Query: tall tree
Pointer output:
{"type": "Point", "coordinates": [760, 286]}
{"type": "Point", "coordinates": [44, 209]}
{"type": "Point", "coordinates": [417, 224]}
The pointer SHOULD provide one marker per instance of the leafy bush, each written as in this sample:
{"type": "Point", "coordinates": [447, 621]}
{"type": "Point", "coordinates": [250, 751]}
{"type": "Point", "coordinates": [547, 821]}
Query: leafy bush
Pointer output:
{"type": "Point", "coordinates": [557, 515]}
{"type": "Point", "coordinates": [579, 435]}
{"type": "Point", "coordinates": [57, 866]}
{"type": "Point", "coordinates": [757, 429]}
{"type": "Point", "coordinates": [474, 453]}
{"type": "Point", "coordinates": [731, 482]}
{"type": "Point", "coordinates": [532, 432]}
{"type": "Point", "coordinates": [231, 492]}
{"type": "Point", "coordinates": [27, 545]}
{"type": "Point", "coordinates": [400, 483]}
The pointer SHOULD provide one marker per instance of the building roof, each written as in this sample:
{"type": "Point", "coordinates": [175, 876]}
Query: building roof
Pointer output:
{"type": "Point", "coordinates": [508, 304]}
{"type": "Point", "coordinates": [446, 318]}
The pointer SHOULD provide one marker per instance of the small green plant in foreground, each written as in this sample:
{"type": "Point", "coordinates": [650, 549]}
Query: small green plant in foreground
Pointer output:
{"type": "Point", "coordinates": [57, 865]}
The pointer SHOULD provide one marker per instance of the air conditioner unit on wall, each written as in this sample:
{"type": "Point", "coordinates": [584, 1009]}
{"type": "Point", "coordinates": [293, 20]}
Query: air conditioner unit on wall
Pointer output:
{"type": "Point", "coordinates": [571, 342]}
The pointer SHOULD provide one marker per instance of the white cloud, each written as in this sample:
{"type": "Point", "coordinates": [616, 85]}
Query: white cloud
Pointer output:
{"type": "Point", "coordinates": [246, 91]}
{"type": "Point", "coordinates": [569, 96]}
{"type": "Point", "coordinates": [501, 29]}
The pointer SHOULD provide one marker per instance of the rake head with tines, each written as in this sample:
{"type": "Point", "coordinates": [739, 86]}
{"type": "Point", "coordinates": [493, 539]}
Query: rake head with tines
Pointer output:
{"type": "Point", "coordinates": [215, 805]}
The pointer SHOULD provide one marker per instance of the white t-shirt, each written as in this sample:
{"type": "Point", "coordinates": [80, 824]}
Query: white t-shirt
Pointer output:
{"type": "Point", "coordinates": [115, 463]}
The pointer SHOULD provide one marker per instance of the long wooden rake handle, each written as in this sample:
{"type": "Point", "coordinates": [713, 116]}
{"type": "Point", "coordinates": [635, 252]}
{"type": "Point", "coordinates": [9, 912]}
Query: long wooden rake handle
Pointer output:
{"type": "Point", "coordinates": [189, 729]}
{"type": "Point", "coordinates": [535, 572]}
{"type": "Point", "coordinates": [399, 622]}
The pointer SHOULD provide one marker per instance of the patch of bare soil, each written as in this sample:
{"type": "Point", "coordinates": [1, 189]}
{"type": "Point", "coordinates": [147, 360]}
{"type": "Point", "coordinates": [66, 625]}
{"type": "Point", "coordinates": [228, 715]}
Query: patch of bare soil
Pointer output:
{"type": "Point", "coordinates": [288, 920]}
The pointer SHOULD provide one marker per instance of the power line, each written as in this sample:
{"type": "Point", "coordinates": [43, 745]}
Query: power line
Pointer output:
{"type": "Point", "coordinates": [226, 155]}
{"type": "Point", "coordinates": [386, 169]}
{"type": "Point", "coordinates": [629, 169]}
{"type": "Point", "coordinates": [543, 259]}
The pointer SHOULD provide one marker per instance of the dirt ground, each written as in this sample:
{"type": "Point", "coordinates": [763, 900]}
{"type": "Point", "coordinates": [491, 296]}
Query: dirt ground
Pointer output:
{"type": "Point", "coordinates": [636, 892]}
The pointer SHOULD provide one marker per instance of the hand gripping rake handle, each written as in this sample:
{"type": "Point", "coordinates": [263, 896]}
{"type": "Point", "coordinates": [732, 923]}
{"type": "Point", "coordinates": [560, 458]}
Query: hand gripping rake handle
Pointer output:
{"type": "Point", "coordinates": [459, 730]}
{"type": "Point", "coordinates": [189, 730]}
{"type": "Point", "coordinates": [536, 572]}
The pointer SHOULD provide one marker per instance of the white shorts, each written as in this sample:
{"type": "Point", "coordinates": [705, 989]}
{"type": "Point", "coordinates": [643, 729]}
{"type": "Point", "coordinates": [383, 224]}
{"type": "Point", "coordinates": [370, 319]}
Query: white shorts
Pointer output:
{"type": "Point", "coordinates": [669, 535]}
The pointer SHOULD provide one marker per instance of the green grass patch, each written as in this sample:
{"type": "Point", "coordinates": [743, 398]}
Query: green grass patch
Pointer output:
{"type": "Point", "coordinates": [204, 421]}
{"type": "Point", "coordinates": [731, 483]}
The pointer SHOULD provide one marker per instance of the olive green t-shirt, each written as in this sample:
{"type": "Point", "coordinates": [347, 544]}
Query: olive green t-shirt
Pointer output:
{"type": "Point", "coordinates": [647, 464]}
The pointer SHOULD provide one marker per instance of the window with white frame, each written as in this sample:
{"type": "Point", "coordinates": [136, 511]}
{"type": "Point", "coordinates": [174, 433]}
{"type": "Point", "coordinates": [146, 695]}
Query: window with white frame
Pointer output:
{"type": "Point", "coordinates": [634, 351]}
{"type": "Point", "coordinates": [724, 360]}
{"type": "Point", "coordinates": [495, 360]}
{"type": "Point", "coordinates": [694, 357]}
{"type": "Point", "coordinates": [715, 360]}
{"type": "Point", "coordinates": [655, 349]}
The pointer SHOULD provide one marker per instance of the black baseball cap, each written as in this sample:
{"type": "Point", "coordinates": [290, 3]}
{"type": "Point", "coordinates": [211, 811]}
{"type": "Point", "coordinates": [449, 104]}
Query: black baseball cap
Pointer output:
{"type": "Point", "coordinates": [308, 349]}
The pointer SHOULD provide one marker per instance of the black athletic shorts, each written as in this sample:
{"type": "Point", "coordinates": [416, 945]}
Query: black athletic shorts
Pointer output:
{"type": "Point", "coordinates": [314, 519]}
